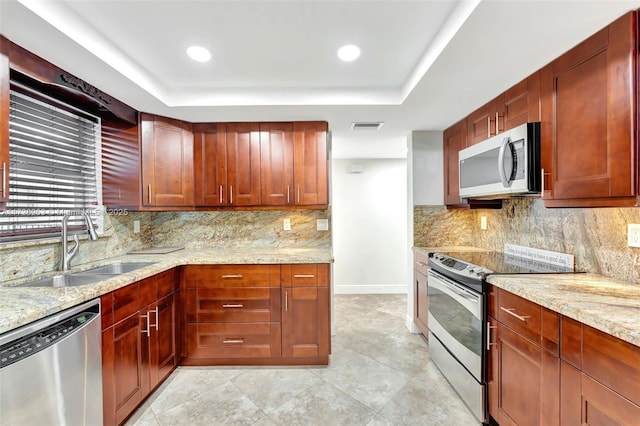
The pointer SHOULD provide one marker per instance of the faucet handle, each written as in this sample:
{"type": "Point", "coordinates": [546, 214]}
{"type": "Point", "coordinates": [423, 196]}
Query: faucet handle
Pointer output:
{"type": "Point", "coordinates": [74, 249]}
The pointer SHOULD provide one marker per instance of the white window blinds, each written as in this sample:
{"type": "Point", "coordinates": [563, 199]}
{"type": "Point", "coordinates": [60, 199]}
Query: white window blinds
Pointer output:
{"type": "Point", "coordinates": [54, 169]}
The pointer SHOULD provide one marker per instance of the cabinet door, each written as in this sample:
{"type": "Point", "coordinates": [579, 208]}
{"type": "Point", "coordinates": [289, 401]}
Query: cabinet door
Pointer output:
{"type": "Point", "coordinates": [588, 402]}
{"type": "Point", "coordinates": [243, 164]}
{"type": "Point", "coordinates": [310, 163]}
{"type": "Point", "coordinates": [163, 356]}
{"type": "Point", "coordinates": [4, 121]}
{"type": "Point", "coordinates": [125, 368]}
{"type": "Point", "coordinates": [528, 382]}
{"type": "Point", "coordinates": [454, 139]}
{"type": "Point", "coordinates": [167, 162]}
{"type": "Point", "coordinates": [120, 165]}
{"type": "Point", "coordinates": [305, 322]}
{"type": "Point", "coordinates": [481, 123]}
{"type": "Point", "coordinates": [588, 119]}
{"type": "Point", "coordinates": [276, 163]}
{"type": "Point", "coordinates": [493, 368]}
{"type": "Point", "coordinates": [421, 302]}
{"type": "Point", "coordinates": [520, 104]}
{"type": "Point", "coordinates": [210, 163]}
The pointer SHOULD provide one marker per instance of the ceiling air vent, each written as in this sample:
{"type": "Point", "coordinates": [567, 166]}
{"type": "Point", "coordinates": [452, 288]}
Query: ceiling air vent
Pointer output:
{"type": "Point", "coordinates": [371, 125]}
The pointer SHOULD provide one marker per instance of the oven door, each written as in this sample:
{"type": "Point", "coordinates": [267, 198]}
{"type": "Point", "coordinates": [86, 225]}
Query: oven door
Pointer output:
{"type": "Point", "coordinates": [455, 318]}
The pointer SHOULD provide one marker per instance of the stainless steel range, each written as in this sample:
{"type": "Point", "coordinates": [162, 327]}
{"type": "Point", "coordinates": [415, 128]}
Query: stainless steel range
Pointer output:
{"type": "Point", "coordinates": [457, 316]}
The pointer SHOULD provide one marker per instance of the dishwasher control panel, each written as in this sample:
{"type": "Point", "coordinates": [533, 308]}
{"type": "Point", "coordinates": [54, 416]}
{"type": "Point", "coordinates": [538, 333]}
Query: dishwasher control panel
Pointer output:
{"type": "Point", "coordinates": [28, 345]}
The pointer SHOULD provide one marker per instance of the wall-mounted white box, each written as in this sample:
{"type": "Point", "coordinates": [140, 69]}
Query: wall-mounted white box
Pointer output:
{"type": "Point", "coordinates": [322, 224]}
{"type": "Point", "coordinates": [286, 224]}
{"type": "Point", "coordinates": [136, 226]}
{"type": "Point", "coordinates": [633, 235]}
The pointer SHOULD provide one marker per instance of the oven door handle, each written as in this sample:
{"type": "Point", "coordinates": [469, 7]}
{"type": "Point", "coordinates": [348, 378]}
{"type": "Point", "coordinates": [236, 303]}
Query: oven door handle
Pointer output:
{"type": "Point", "coordinates": [454, 288]}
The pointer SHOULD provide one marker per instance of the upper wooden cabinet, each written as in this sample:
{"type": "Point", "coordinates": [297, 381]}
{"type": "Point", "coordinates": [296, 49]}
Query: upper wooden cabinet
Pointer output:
{"type": "Point", "coordinates": [276, 163]}
{"type": "Point", "coordinates": [310, 163]}
{"type": "Point", "coordinates": [589, 121]}
{"type": "Point", "coordinates": [260, 164]}
{"type": "Point", "coordinates": [167, 162]}
{"type": "Point", "coordinates": [243, 164]}
{"type": "Point", "coordinates": [454, 139]}
{"type": "Point", "coordinates": [518, 105]}
{"type": "Point", "coordinates": [4, 121]}
{"type": "Point", "coordinates": [120, 165]}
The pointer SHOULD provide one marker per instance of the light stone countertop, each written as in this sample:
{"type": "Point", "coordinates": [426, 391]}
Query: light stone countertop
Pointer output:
{"type": "Point", "coordinates": [22, 305]}
{"type": "Point", "coordinates": [607, 304]}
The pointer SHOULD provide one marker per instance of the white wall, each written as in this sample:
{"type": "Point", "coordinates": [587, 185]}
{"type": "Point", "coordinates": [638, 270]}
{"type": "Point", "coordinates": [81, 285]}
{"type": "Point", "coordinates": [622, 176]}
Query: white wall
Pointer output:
{"type": "Point", "coordinates": [425, 186]}
{"type": "Point", "coordinates": [369, 216]}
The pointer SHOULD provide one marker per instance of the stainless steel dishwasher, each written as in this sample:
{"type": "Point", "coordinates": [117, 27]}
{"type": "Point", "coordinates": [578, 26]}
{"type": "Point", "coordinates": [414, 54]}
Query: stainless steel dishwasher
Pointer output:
{"type": "Point", "coordinates": [51, 370]}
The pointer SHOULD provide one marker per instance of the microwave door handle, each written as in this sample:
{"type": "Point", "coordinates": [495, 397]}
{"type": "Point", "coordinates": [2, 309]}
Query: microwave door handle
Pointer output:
{"type": "Point", "coordinates": [501, 154]}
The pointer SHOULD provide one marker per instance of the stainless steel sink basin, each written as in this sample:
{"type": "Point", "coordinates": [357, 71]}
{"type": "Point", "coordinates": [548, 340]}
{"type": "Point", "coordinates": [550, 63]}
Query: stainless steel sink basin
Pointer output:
{"type": "Point", "coordinates": [118, 268]}
{"type": "Point", "coordinates": [71, 280]}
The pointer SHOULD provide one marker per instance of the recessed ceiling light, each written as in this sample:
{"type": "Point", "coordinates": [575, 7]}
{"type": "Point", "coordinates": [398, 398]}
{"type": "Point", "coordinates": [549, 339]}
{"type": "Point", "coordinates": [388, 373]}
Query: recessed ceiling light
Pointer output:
{"type": "Point", "coordinates": [199, 53]}
{"type": "Point", "coordinates": [349, 53]}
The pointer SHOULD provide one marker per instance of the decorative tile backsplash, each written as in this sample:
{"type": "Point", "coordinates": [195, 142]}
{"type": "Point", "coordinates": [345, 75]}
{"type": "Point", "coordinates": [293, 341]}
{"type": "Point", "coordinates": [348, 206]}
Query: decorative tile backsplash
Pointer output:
{"type": "Point", "coordinates": [189, 229]}
{"type": "Point", "coordinates": [597, 237]}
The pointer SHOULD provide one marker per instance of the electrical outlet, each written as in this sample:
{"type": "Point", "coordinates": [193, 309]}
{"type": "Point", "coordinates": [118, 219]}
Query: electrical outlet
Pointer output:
{"type": "Point", "coordinates": [322, 224]}
{"type": "Point", "coordinates": [136, 226]}
{"type": "Point", "coordinates": [633, 235]}
{"type": "Point", "coordinates": [483, 223]}
{"type": "Point", "coordinates": [286, 224]}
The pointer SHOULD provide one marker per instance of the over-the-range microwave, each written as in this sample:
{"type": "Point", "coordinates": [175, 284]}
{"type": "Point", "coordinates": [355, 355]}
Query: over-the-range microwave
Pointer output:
{"type": "Point", "coordinates": [502, 166]}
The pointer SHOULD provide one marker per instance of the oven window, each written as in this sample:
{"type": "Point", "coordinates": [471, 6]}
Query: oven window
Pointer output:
{"type": "Point", "coordinates": [458, 321]}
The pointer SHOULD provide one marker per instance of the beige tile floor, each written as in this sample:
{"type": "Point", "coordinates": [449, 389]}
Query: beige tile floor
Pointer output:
{"type": "Point", "coordinates": [379, 374]}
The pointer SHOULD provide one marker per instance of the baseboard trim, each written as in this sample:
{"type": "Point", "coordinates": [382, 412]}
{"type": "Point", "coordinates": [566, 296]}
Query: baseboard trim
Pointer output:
{"type": "Point", "coordinates": [413, 328]}
{"type": "Point", "coordinates": [370, 289]}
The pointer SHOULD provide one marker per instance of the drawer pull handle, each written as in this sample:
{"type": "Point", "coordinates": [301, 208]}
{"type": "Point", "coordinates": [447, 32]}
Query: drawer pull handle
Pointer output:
{"type": "Point", "coordinates": [229, 276]}
{"type": "Point", "coordinates": [233, 305]}
{"type": "Point", "coordinates": [304, 276]}
{"type": "Point", "coordinates": [510, 312]}
{"type": "Point", "coordinates": [230, 341]}
{"type": "Point", "coordinates": [421, 264]}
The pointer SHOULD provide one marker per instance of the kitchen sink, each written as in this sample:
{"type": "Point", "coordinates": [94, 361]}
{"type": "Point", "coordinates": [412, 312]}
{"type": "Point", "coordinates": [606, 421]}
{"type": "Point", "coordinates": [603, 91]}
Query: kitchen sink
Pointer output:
{"type": "Point", "coordinates": [119, 268]}
{"type": "Point", "coordinates": [70, 280]}
{"type": "Point", "coordinates": [88, 277]}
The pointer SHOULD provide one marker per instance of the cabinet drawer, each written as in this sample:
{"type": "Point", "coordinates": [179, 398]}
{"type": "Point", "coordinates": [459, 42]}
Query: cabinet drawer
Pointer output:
{"type": "Point", "coordinates": [233, 305]}
{"type": "Point", "coordinates": [167, 283]}
{"type": "Point", "coordinates": [126, 301]}
{"type": "Point", "coordinates": [421, 263]}
{"type": "Point", "coordinates": [305, 275]}
{"type": "Point", "coordinates": [251, 340]}
{"type": "Point", "coordinates": [216, 276]}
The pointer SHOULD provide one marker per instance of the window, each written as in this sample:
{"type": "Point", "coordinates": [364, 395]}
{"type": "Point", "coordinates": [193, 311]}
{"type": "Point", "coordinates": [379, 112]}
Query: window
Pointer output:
{"type": "Point", "coordinates": [54, 153]}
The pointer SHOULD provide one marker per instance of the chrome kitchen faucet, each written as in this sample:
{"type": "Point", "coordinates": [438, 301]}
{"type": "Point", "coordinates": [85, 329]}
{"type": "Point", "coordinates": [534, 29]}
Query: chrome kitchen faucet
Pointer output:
{"type": "Point", "coordinates": [67, 255]}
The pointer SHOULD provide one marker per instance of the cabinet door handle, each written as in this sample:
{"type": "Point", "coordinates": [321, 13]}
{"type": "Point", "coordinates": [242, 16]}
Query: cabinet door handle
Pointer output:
{"type": "Point", "coordinates": [149, 193]}
{"type": "Point", "coordinates": [228, 341]}
{"type": "Point", "coordinates": [497, 121]}
{"type": "Point", "coordinates": [522, 318]}
{"type": "Point", "coordinates": [4, 179]}
{"type": "Point", "coordinates": [298, 194]}
{"type": "Point", "coordinates": [231, 276]}
{"type": "Point", "coordinates": [147, 332]}
{"type": "Point", "coordinates": [304, 276]}
{"type": "Point", "coordinates": [230, 194]}
{"type": "Point", "coordinates": [288, 187]}
{"type": "Point", "coordinates": [286, 301]}
{"type": "Point", "coordinates": [489, 343]}
{"type": "Point", "coordinates": [149, 325]}
{"type": "Point", "coordinates": [220, 194]}
{"type": "Point", "coordinates": [233, 305]}
{"type": "Point", "coordinates": [488, 127]}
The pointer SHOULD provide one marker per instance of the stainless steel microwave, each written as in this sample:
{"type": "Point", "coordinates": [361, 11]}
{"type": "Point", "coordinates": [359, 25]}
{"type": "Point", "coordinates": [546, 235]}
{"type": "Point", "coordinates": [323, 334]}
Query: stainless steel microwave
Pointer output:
{"type": "Point", "coordinates": [502, 166]}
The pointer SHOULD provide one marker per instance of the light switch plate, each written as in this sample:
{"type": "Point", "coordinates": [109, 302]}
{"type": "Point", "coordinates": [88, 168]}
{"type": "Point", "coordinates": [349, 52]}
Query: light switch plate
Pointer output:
{"type": "Point", "coordinates": [136, 226]}
{"type": "Point", "coordinates": [483, 223]}
{"type": "Point", "coordinates": [633, 235]}
{"type": "Point", "coordinates": [286, 224]}
{"type": "Point", "coordinates": [322, 224]}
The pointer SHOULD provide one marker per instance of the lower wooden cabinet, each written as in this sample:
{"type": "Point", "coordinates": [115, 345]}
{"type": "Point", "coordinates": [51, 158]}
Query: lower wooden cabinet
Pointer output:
{"type": "Point", "coordinates": [547, 369]}
{"type": "Point", "coordinates": [524, 374]}
{"type": "Point", "coordinates": [420, 293]}
{"type": "Point", "coordinates": [139, 343]}
{"type": "Point", "coordinates": [257, 314]}
{"type": "Point", "coordinates": [305, 313]}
